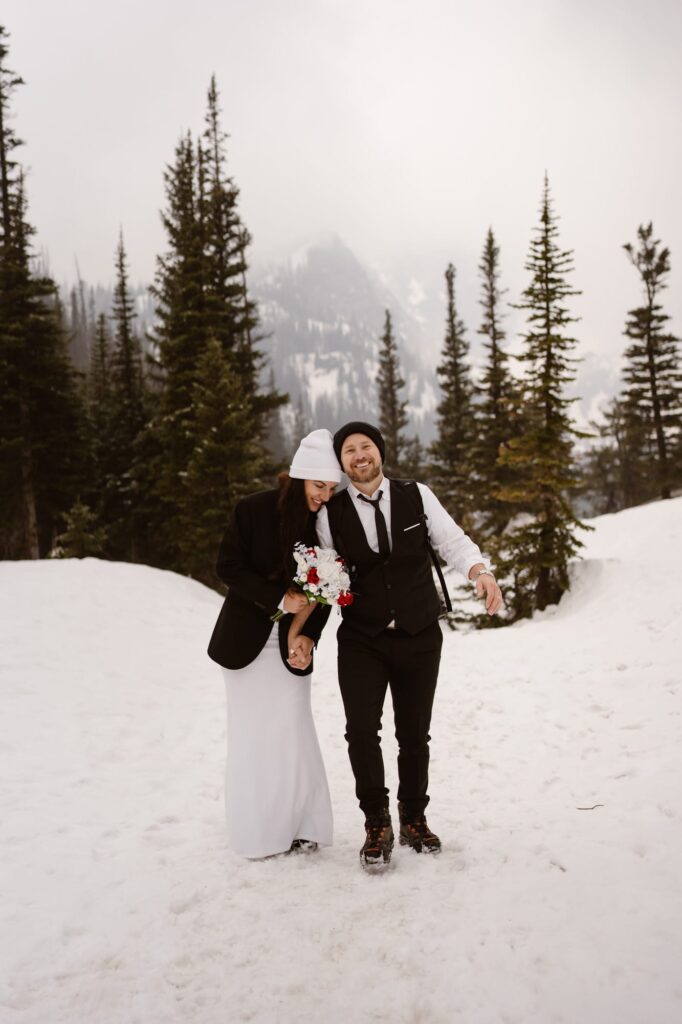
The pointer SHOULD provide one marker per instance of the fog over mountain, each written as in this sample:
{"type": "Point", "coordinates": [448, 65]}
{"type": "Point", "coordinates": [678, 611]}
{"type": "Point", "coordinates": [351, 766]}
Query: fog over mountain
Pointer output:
{"type": "Point", "coordinates": [409, 129]}
{"type": "Point", "coordinates": [324, 313]}
{"type": "Point", "coordinates": [323, 309]}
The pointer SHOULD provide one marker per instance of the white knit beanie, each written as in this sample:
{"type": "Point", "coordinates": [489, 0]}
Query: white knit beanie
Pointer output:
{"type": "Point", "coordinates": [315, 458]}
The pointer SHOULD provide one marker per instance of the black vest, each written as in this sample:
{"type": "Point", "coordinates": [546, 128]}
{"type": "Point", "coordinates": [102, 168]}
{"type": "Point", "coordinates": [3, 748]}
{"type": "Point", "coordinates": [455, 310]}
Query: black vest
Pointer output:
{"type": "Point", "coordinates": [399, 588]}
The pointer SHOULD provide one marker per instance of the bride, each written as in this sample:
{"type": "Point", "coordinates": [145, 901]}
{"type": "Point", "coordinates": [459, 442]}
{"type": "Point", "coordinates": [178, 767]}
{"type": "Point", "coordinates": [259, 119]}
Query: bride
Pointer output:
{"type": "Point", "coordinates": [276, 793]}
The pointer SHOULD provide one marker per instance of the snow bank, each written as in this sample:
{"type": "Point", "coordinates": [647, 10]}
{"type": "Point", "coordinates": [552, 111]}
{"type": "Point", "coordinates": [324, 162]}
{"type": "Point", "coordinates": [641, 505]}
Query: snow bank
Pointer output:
{"type": "Point", "coordinates": [555, 788]}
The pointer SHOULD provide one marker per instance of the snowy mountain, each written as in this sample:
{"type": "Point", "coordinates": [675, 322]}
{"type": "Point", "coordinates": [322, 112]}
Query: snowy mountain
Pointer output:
{"type": "Point", "coordinates": [322, 311]}
{"type": "Point", "coordinates": [324, 314]}
{"type": "Point", "coordinates": [556, 759]}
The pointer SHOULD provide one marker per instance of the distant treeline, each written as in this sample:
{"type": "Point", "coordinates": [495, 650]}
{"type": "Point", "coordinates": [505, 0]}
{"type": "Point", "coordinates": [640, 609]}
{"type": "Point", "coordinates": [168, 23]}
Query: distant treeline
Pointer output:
{"type": "Point", "coordinates": [141, 452]}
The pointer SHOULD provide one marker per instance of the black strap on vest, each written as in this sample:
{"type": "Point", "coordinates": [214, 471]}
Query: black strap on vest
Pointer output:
{"type": "Point", "coordinates": [410, 487]}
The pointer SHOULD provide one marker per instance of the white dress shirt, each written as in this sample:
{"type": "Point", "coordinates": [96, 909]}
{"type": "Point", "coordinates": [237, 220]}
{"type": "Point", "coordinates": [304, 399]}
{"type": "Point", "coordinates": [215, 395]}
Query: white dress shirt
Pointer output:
{"type": "Point", "coordinates": [450, 541]}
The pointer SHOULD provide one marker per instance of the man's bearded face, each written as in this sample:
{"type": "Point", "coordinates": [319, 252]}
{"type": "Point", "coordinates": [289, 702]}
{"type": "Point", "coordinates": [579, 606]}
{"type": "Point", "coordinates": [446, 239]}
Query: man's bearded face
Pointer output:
{"type": "Point", "coordinates": [360, 458]}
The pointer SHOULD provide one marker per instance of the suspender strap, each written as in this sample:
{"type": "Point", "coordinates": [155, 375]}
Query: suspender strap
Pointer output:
{"type": "Point", "coordinates": [410, 487]}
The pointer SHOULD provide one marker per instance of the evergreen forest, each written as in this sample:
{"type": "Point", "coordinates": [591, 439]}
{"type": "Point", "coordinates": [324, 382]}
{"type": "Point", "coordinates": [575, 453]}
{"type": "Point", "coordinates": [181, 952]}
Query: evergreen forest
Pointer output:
{"type": "Point", "coordinates": [135, 445]}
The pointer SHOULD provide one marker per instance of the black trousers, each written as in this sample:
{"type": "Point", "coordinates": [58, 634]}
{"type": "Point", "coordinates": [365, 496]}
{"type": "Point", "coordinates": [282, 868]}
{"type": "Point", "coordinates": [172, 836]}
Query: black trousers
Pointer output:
{"type": "Point", "coordinates": [367, 666]}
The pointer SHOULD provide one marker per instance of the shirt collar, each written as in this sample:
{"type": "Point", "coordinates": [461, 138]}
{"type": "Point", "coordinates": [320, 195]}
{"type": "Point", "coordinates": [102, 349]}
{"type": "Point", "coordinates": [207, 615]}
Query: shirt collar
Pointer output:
{"type": "Point", "coordinates": [384, 487]}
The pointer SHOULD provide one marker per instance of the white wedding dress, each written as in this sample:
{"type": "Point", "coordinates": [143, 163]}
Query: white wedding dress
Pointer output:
{"type": "Point", "coordinates": [276, 786]}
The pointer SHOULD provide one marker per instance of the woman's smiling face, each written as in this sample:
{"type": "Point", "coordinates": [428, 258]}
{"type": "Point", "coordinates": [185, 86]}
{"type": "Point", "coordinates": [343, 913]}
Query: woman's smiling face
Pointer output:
{"type": "Point", "coordinates": [318, 493]}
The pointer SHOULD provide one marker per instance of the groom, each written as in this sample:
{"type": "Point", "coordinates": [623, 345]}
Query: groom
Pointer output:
{"type": "Point", "coordinates": [390, 635]}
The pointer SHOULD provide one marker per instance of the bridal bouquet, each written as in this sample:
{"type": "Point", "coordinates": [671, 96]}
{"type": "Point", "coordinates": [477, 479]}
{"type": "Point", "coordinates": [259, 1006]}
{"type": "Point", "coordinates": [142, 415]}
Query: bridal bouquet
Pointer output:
{"type": "Point", "coordinates": [322, 575]}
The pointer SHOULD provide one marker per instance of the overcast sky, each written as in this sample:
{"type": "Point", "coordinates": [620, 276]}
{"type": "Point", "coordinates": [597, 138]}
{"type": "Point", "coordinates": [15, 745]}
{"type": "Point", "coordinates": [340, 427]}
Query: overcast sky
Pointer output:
{"type": "Point", "coordinates": [408, 128]}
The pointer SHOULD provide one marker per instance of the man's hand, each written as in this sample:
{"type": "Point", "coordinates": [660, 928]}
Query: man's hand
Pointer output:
{"type": "Point", "coordinates": [487, 585]}
{"type": "Point", "coordinates": [300, 652]}
{"type": "Point", "coordinates": [295, 601]}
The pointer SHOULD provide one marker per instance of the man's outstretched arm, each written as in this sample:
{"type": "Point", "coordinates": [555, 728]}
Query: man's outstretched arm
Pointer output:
{"type": "Point", "coordinates": [459, 551]}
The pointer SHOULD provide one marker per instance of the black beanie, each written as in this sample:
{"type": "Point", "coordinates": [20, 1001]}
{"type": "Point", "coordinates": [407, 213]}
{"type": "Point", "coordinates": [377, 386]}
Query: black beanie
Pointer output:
{"type": "Point", "coordinates": [357, 427]}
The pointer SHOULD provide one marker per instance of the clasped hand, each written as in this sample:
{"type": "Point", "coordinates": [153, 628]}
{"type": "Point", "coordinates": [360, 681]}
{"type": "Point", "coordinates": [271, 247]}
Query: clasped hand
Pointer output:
{"type": "Point", "coordinates": [300, 647]}
{"type": "Point", "coordinates": [300, 651]}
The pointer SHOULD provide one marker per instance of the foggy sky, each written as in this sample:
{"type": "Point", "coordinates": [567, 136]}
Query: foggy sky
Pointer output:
{"type": "Point", "coordinates": [406, 128]}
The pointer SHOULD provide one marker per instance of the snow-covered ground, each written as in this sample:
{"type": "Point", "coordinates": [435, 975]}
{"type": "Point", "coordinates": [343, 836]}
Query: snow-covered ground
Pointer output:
{"type": "Point", "coordinates": [556, 787]}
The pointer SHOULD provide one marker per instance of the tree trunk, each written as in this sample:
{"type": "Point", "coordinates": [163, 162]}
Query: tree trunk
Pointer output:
{"type": "Point", "coordinates": [27, 493]}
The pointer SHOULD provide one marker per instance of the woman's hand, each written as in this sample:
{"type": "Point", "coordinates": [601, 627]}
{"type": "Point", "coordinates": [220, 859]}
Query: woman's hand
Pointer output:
{"type": "Point", "coordinates": [300, 647]}
{"type": "Point", "coordinates": [300, 651]}
{"type": "Point", "coordinates": [295, 601]}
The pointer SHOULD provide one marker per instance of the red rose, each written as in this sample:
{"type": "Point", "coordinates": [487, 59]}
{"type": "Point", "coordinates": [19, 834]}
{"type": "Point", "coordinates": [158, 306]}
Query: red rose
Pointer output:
{"type": "Point", "coordinates": [345, 599]}
{"type": "Point", "coordinates": [312, 576]}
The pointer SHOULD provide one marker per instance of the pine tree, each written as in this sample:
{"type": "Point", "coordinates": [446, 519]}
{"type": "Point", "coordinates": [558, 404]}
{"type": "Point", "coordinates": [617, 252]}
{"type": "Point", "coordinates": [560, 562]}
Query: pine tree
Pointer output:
{"type": "Point", "coordinates": [99, 382]}
{"type": "Point", "coordinates": [414, 460]}
{"type": "Point", "coordinates": [498, 411]}
{"type": "Point", "coordinates": [127, 379]}
{"type": "Point", "coordinates": [42, 443]}
{"type": "Point", "coordinates": [83, 536]}
{"type": "Point", "coordinates": [226, 461]}
{"type": "Point", "coordinates": [232, 313]}
{"type": "Point", "coordinates": [451, 451]}
{"type": "Point", "coordinates": [539, 543]}
{"type": "Point", "coordinates": [81, 328]}
{"type": "Point", "coordinates": [652, 398]}
{"type": "Point", "coordinates": [231, 316]}
{"type": "Point", "coordinates": [100, 411]}
{"type": "Point", "coordinates": [179, 338]}
{"type": "Point", "coordinates": [201, 295]}
{"type": "Point", "coordinates": [181, 330]}
{"type": "Point", "coordinates": [598, 479]}
{"type": "Point", "coordinates": [127, 419]}
{"type": "Point", "coordinates": [275, 441]}
{"type": "Point", "coordinates": [628, 438]}
{"type": "Point", "coordinates": [392, 411]}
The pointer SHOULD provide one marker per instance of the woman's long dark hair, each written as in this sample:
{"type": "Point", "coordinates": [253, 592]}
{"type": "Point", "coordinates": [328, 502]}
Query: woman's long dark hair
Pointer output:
{"type": "Point", "coordinates": [295, 522]}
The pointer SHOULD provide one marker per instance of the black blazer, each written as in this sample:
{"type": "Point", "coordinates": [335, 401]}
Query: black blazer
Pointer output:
{"type": "Point", "coordinates": [249, 556]}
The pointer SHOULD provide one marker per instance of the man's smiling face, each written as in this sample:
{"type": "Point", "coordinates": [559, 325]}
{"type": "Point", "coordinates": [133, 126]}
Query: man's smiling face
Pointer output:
{"type": "Point", "coordinates": [360, 458]}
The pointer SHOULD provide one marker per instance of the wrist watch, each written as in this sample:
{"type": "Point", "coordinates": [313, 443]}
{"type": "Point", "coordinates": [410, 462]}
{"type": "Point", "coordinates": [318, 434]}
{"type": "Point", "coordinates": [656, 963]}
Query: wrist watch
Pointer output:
{"type": "Point", "coordinates": [483, 572]}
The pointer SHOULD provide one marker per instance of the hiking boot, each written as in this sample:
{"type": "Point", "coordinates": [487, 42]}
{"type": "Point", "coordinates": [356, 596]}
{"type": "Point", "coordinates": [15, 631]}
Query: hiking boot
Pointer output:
{"type": "Point", "coordinates": [303, 846]}
{"type": "Point", "coordinates": [378, 844]}
{"type": "Point", "coordinates": [415, 832]}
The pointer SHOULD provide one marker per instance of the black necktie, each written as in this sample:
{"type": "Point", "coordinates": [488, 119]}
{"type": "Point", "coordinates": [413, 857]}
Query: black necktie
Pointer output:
{"type": "Point", "coordinates": [382, 532]}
